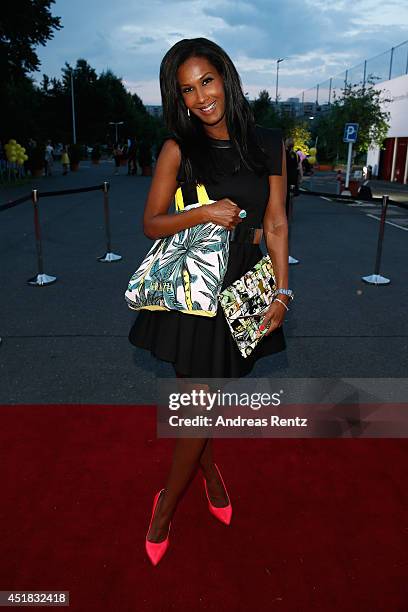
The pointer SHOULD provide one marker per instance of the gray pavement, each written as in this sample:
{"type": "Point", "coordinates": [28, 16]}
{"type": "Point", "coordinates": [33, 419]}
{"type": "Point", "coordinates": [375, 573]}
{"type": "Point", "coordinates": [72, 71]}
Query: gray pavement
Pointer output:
{"type": "Point", "coordinates": [68, 342]}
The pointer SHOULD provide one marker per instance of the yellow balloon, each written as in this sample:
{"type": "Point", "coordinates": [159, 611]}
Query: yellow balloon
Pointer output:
{"type": "Point", "coordinates": [25, 157]}
{"type": "Point", "coordinates": [312, 151]}
{"type": "Point", "coordinates": [12, 158]}
{"type": "Point", "coordinates": [311, 160]}
{"type": "Point", "coordinates": [23, 149]}
{"type": "Point", "coordinates": [12, 141]}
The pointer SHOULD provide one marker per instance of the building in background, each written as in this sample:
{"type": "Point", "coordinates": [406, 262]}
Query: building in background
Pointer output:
{"type": "Point", "coordinates": [391, 163]}
{"type": "Point", "coordinates": [389, 71]}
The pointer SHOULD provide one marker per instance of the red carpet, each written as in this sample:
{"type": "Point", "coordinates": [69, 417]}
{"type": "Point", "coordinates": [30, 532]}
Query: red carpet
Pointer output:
{"type": "Point", "coordinates": [318, 525]}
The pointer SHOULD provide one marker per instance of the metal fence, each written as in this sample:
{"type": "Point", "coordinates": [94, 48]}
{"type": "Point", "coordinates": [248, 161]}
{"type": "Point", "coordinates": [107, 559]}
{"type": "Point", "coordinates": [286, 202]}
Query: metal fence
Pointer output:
{"type": "Point", "coordinates": [388, 65]}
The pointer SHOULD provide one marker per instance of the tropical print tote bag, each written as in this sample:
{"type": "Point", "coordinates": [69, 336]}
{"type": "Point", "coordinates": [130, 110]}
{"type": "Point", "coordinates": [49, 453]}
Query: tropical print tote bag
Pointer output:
{"type": "Point", "coordinates": [185, 271]}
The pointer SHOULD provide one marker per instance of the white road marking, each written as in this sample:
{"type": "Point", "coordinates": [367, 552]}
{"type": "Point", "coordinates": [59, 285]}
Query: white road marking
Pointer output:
{"type": "Point", "coordinates": [389, 222]}
{"type": "Point", "coordinates": [362, 204]}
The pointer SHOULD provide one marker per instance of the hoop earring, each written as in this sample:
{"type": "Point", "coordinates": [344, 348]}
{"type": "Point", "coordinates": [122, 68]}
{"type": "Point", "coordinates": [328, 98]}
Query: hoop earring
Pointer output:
{"type": "Point", "coordinates": [188, 113]}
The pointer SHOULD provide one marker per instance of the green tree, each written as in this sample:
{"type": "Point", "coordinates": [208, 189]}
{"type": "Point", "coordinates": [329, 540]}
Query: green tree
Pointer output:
{"type": "Point", "coordinates": [99, 100]}
{"type": "Point", "coordinates": [262, 108]}
{"type": "Point", "coordinates": [267, 115]}
{"type": "Point", "coordinates": [362, 105]}
{"type": "Point", "coordinates": [25, 24]}
{"type": "Point", "coordinates": [20, 107]}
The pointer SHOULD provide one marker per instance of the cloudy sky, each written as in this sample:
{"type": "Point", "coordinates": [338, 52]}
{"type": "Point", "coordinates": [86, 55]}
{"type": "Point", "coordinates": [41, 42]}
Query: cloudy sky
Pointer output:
{"type": "Point", "coordinates": [318, 38]}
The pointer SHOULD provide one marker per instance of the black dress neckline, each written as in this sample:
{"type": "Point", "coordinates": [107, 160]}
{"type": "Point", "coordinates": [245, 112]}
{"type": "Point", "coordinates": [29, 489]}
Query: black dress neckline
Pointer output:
{"type": "Point", "coordinates": [219, 144]}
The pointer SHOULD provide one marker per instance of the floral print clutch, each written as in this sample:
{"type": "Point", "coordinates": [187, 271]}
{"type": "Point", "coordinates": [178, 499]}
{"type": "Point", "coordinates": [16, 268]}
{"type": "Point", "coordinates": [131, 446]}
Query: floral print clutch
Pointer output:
{"type": "Point", "coordinates": [245, 303]}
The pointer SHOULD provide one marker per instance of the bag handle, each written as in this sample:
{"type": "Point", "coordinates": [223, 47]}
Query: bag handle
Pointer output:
{"type": "Point", "coordinates": [202, 197]}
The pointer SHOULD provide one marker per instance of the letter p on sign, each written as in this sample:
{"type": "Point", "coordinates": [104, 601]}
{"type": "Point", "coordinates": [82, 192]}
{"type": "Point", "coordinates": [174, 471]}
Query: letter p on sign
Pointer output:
{"type": "Point", "coordinates": [350, 132]}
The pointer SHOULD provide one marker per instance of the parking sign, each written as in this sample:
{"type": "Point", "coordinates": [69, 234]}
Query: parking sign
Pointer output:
{"type": "Point", "coordinates": [350, 132]}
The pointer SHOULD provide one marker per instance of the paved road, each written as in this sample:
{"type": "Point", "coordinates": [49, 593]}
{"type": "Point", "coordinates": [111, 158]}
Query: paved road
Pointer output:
{"type": "Point", "coordinates": [67, 343]}
{"type": "Point", "coordinates": [326, 182]}
{"type": "Point", "coordinates": [397, 215]}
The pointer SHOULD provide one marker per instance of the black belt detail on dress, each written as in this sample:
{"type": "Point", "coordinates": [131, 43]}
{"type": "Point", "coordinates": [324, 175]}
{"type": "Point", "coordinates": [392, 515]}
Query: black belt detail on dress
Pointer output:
{"type": "Point", "coordinates": [243, 234]}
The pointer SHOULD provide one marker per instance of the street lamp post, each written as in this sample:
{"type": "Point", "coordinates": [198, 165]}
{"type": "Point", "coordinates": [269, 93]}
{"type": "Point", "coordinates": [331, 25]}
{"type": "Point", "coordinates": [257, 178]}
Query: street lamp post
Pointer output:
{"type": "Point", "coordinates": [278, 61]}
{"type": "Point", "coordinates": [116, 123]}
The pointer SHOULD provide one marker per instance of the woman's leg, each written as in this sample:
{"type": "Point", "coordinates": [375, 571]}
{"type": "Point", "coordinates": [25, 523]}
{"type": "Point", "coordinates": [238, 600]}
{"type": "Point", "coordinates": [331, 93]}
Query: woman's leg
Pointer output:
{"type": "Point", "coordinates": [188, 455]}
{"type": "Point", "coordinates": [216, 492]}
{"type": "Point", "coordinates": [185, 460]}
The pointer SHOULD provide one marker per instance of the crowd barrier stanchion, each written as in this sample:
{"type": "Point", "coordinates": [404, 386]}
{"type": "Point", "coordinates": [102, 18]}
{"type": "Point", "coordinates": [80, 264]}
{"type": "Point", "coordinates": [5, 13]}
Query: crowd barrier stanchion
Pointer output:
{"type": "Point", "coordinates": [109, 256]}
{"type": "Point", "coordinates": [376, 278]}
{"type": "Point", "coordinates": [291, 259]}
{"type": "Point", "coordinates": [41, 279]}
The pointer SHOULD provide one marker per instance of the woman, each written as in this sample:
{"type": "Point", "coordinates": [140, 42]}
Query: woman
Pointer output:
{"type": "Point", "coordinates": [65, 161]}
{"type": "Point", "coordinates": [49, 158]}
{"type": "Point", "coordinates": [117, 153]}
{"type": "Point", "coordinates": [215, 143]}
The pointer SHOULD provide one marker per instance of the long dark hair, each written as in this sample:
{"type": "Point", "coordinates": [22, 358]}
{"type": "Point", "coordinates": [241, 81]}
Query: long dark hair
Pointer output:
{"type": "Point", "coordinates": [198, 161]}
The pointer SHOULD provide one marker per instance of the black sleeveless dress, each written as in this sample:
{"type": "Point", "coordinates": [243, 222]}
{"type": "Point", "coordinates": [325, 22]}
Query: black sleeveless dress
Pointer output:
{"type": "Point", "coordinates": [202, 347]}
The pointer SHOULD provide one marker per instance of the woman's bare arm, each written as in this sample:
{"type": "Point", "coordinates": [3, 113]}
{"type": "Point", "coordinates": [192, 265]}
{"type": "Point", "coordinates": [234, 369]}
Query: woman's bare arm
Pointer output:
{"type": "Point", "coordinates": [157, 222]}
{"type": "Point", "coordinates": [275, 226]}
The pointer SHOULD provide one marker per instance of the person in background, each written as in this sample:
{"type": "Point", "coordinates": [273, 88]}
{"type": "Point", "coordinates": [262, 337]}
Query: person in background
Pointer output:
{"type": "Point", "coordinates": [65, 160]}
{"type": "Point", "coordinates": [340, 181]}
{"type": "Point", "coordinates": [58, 151]}
{"type": "Point", "coordinates": [145, 158]}
{"type": "Point", "coordinates": [49, 158]}
{"type": "Point", "coordinates": [292, 170]}
{"type": "Point", "coordinates": [301, 156]}
{"type": "Point", "coordinates": [125, 151]}
{"type": "Point", "coordinates": [117, 155]}
{"type": "Point", "coordinates": [132, 156]}
{"type": "Point", "coordinates": [307, 167]}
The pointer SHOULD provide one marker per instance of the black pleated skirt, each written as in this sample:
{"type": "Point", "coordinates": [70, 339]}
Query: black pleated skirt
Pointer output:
{"type": "Point", "coordinates": [203, 347]}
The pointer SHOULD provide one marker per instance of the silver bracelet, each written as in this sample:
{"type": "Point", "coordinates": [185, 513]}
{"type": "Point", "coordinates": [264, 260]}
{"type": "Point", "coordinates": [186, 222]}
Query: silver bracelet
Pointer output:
{"type": "Point", "coordinates": [278, 300]}
{"type": "Point", "coordinates": [288, 292]}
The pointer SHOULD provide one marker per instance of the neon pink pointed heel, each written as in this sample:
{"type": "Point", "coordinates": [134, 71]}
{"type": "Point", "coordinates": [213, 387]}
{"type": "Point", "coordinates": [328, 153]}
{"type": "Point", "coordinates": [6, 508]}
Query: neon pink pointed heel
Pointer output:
{"type": "Point", "coordinates": [224, 513]}
{"type": "Point", "coordinates": [156, 550]}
